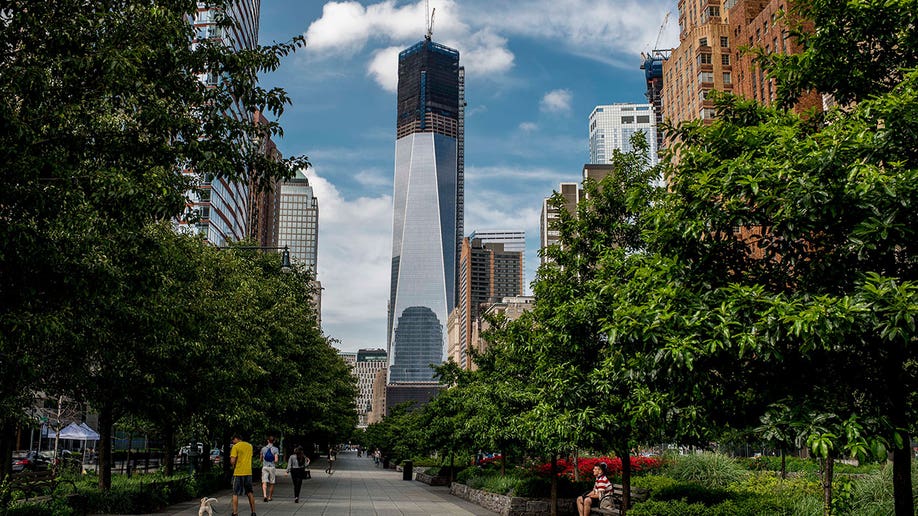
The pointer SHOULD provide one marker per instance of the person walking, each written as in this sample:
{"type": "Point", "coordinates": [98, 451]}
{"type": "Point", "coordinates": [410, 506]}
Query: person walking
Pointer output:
{"type": "Point", "coordinates": [269, 454]}
{"type": "Point", "coordinates": [241, 459]}
{"type": "Point", "coordinates": [332, 456]}
{"type": "Point", "coordinates": [296, 468]}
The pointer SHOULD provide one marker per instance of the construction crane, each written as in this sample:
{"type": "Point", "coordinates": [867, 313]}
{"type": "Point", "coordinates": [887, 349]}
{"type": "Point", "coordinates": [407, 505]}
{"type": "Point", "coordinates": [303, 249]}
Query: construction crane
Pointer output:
{"type": "Point", "coordinates": [430, 20]}
{"type": "Point", "coordinates": [656, 43]}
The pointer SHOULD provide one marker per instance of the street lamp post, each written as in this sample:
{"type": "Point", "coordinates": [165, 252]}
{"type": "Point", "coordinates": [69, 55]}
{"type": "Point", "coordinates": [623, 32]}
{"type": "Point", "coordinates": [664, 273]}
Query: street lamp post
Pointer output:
{"type": "Point", "coordinates": [286, 267]}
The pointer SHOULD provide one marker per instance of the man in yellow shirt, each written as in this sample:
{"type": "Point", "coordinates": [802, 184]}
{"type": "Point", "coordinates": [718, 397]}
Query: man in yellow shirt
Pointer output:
{"type": "Point", "coordinates": [241, 459]}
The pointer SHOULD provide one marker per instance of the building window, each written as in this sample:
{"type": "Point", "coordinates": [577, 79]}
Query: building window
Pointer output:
{"type": "Point", "coordinates": [724, 42]}
{"type": "Point", "coordinates": [728, 79]}
{"type": "Point", "coordinates": [704, 58]}
{"type": "Point", "coordinates": [627, 119]}
{"type": "Point", "coordinates": [707, 113]}
{"type": "Point", "coordinates": [702, 42]}
{"type": "Point", "coordinates": [705, 77]}
{"type": "Point", "coordinates": [725, 59]}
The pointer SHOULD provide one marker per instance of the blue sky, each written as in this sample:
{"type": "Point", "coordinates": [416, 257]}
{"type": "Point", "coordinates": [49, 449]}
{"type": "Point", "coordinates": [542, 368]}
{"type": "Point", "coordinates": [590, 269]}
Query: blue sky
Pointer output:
{"type": "Point", "coordinates": [534, 71]}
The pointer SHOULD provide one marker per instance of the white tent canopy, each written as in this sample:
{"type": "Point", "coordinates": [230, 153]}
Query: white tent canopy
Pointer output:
{"type": "Point", "coordinates": [79, 432]}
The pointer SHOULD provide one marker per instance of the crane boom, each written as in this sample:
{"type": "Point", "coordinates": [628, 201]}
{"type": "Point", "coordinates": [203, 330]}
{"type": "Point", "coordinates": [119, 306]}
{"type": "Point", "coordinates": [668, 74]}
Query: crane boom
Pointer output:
{"type": "Point", "coordinates": [656, 43]}
{"type": "Point", "coordinates": [430, 24]}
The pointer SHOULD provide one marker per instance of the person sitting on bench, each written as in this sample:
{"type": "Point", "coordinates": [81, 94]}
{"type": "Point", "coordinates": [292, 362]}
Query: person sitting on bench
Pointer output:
{"type": "Point", "coordinates": [600, 488]}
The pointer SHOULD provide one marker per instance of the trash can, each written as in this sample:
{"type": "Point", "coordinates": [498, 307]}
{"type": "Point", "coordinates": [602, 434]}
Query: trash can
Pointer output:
{"type": "Point", "coordinates": [407, 468]}
{"type": "Point", "coordinates": [385, 462]}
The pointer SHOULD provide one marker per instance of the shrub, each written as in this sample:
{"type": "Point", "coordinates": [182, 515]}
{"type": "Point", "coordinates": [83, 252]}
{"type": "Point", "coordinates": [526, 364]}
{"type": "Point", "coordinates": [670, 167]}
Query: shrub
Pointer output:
{"type": "Point", "coordinates": [710, 469]}
{"type": "Point", "coordinates": [56, 507]}
{"type": "Point", "coordinates": [691, 493]}
{"type": "Point", "coordinates": [652, 482]}
{"type": "Point", "coordinates": [671, 508]}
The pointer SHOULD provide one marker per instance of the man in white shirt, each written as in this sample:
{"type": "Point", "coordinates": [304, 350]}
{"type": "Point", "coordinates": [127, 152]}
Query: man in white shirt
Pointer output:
{"type": "Point", "coordinates": [269, 456]}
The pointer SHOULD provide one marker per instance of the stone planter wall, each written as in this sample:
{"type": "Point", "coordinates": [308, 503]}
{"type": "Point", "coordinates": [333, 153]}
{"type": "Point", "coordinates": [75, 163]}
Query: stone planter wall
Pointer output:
{"type": "Point", "coordinates": [431, 480]}
{"type": "Point", "coordinates": [512, 505]}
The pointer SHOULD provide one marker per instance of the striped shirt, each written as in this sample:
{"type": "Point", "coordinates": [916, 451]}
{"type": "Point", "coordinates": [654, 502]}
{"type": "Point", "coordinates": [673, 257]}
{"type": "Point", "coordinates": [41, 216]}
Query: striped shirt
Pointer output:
{"type": "Point", "coordinates": [602, 484]}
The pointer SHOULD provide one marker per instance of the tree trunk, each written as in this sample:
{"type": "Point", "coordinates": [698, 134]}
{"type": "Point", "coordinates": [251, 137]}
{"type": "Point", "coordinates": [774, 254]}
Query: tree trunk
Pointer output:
{"type": "Point", "coordinates": [783, 464]}
{"type": "Point", "coordinates": [827, 473]}
{"type": "Point", "coordinates": [902, 478]}
{"type": "Point", "coordinates": [576, 465]}
{"type": "Point", "coordinates": [503, 461]}
{"type": "Point", "coordinates": [452, 467]}
{"type": "Point", "coordinates": [7, 438]}
{"type": "Point", "coordinates": [626, 480]}
{"type": "Point", "coordinates": [554, 484]}
{"type": "Point", "coordinates": [105, 446]}
{"type": "Point", "coordinates": [168, 464]}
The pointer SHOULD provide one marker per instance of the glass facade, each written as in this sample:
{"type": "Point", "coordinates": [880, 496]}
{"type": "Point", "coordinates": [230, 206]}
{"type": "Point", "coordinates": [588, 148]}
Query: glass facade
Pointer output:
{"type": "Point", "coordinates": [612, 126]}
{"type": "Point", "coordinates": [298, 227]}
{"type": "Point", "coordinates": [427, 218]}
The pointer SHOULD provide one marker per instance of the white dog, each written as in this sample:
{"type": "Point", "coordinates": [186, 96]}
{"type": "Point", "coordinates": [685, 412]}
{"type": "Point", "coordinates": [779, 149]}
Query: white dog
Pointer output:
{"type": "Point", "coordinates": [207, 506]}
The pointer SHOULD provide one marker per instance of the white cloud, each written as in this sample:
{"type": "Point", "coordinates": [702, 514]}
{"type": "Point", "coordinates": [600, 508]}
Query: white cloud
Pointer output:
{"type": "Point", "coordinates": [346, 28]}
{"type": "Point", "coordinates": [480, 29]}
{"type": "Point", "coordinates": [383, 68]}
{"type": "Point", "coordinates": [556, 101]}
{"type": "Point", "coordinates": [355, 239]}
{"type": "Point", "coordinates": [528, 127]}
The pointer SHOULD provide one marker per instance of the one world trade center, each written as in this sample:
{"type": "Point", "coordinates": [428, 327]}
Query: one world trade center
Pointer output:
{"type": "Point", "coordinates": [428, 209]}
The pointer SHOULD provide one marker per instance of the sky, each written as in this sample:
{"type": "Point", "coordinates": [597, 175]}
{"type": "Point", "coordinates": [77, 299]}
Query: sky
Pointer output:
{"type": "Point", "coordinates": [535, 69]}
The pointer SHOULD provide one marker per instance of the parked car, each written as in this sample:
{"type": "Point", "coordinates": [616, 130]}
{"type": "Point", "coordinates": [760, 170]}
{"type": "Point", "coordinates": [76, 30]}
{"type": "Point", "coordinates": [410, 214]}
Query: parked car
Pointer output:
{"type": "Point", "coordinates": [185, 450]}
{"type": "Point", "coordinates": [216, 455]}
{"type": "Point", "coordinates": [30, 461]}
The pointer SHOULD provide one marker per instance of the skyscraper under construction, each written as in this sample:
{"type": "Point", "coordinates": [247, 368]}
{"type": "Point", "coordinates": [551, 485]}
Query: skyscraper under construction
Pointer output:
{"type": "Point", "coordinates": [428, 212]}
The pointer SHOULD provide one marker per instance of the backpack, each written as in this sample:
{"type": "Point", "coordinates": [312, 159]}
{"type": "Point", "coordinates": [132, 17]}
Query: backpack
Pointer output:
{"type": "Point", "coordinates": [269, 455]}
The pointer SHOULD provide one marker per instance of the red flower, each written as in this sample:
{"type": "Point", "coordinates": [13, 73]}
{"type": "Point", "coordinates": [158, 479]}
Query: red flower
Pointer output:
{"type": "Point", "coordinates": [585, 466]}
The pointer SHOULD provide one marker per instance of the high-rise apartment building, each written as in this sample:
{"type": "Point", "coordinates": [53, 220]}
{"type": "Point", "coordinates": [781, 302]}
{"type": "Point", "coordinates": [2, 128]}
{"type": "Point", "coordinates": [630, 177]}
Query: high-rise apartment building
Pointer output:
{"type": "Point", "coordinates": [702, 62]}
{"type": "Point", "coordinates": [510, 307]}
{"type": "Point", "coordinates": [428, 211]}
{"type": "Point", "coordinates": [613, 125]}
{"type": "Point", "coordinates": [220, 209]}
{"type": "Point", "coordinates": [761, 24]}
{"type": "Point", "coordinates": [513, 240]}
{"type": "Point", "coordinates": [652, 65]}
{"type": "Point", "coordinates": [487, 274]}
{"type": "Point", "coordinates": [547, 235]}
{"type": "Point", "coordinates": [710, 57]}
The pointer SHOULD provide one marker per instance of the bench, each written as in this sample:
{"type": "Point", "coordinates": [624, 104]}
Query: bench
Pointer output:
{"type": "Point", "coordinates": [637, 495]}
{"type": "Point", "coordinates": [32, 483]}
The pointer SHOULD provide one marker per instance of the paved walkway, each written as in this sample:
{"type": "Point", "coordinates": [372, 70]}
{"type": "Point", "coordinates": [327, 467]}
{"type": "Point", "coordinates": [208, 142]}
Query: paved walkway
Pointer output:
{"type": "Point", "coordinates": [357, 487]}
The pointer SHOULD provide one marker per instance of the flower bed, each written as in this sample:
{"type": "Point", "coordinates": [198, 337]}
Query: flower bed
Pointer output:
{"type": "Point", "coordinates": [585, 466]}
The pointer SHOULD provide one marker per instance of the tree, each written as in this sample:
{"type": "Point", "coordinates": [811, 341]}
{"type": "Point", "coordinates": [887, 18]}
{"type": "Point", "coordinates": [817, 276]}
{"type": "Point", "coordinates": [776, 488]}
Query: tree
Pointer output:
{"type": "Point", "coordinates": [578, 388]}
{"type": "Point", "coordinates": [792, 245]}
{"type": "Point", "coordinates": [102, 109]}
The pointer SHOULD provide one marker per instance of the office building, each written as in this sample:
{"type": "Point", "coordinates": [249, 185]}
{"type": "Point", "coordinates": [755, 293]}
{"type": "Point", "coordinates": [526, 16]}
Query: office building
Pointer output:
{"type": "Point", "coordinates": [613, 125]}
{"type": "Point", "coordinates": [365, 365]}
{"type": "Point", "coordinates": [428, 213]}
{"type": "Point", "coordinates": [298, 224]}
{"type": "Point", "coordinates": [487, 274]}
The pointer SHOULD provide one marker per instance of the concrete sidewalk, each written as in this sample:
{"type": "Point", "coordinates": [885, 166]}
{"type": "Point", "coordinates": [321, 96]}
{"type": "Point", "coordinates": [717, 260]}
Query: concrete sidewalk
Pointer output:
{"type": "Point", "coordinates": [357, 487]}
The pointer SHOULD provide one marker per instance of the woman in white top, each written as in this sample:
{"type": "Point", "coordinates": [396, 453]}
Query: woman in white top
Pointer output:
{"type": "Point", "coordinates": [296, 468]}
